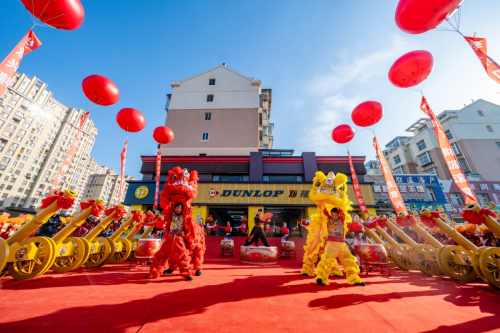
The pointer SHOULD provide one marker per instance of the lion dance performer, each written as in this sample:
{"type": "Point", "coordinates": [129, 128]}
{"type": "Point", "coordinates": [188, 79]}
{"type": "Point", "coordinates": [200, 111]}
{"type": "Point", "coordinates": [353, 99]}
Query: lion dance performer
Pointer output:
{"type": "Point", "coordinates": [326, 233]}
{"type": "Point", "coordinates": [181, 187]}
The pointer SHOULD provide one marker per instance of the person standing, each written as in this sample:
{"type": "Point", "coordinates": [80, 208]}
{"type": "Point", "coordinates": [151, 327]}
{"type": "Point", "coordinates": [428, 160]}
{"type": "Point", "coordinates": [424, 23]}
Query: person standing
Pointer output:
{"type": "Point", "coordinates": [284, 233]}
{"type": "Point", "coordinates": [257, 232]}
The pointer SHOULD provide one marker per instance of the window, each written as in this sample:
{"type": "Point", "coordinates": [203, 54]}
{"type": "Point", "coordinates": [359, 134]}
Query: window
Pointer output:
{"type": "Point", "coordinates": [431, 171]}
{"type": "Point", "coordinates": [210, 98]}
{"type": "Point", "coordinates": [489, 128]}
{"type": "Point", "coordinates": [424, 159]}
{"type": "Point", "coordinates": [448, 134]}
{"type": "Point", "coordinates": [204, 137]}
{"type": "Point", "coordinates": [432, 195]}
{"type": "Point", "coordinates": [456, 148]}
{"type": "Point", "coordinates": [484, 198]}
{"type": "Point", "coordinates": [421, 145]}
{"type": "Point", "coordinates": [211, 82]}
{"type": "Point", "coordinates": [208, 116]}
{"type": "Point", "coordinates": [481, 114]}
{"type": "Point", "coordinates": [397, 159]}
{"type": "Point", "coordinates": [399, 170]}
{"type": "Point", "coordinates": [498, 144]}
{"type": "Point", "coordinates": [456, 199]}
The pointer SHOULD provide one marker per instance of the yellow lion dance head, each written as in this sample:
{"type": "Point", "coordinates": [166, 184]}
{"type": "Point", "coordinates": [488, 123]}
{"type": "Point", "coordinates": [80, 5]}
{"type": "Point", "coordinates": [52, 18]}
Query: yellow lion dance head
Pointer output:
{"type": "Point", "coordinates": [331, 191]}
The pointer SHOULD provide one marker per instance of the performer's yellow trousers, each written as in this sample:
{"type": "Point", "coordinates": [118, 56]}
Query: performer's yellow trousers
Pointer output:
{"type": "Point", "coordinates": [328, 265]}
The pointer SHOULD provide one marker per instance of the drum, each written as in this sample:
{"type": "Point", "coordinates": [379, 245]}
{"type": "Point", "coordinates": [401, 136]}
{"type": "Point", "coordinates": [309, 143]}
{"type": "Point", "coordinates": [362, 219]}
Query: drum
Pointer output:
{"type": "Point", "coordinates": [227, 245]}
{"type": "Point", "coordinates": [146, 248]}
{"type": "Point", "coordinates": [259, 255]}
{"type": "Point", "coordinates": [372, 253]}
{"type": "Point", "coordinates": [287, 247]}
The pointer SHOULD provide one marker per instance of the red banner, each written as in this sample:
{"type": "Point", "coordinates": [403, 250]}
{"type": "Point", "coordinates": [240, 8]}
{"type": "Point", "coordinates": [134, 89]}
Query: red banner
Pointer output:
{"type": "Point", "coordinates": [123, 158]}
{"type": "Point", "coordinates": [480, 48]}
{"type": "Point", "coordinates": [392, 188]}
{"type": "Point", "coordinates": [449, 155]}
{"type": "Point", "coordinates": [9, 65]}
{"type": "Point", "coordinates": [71, 154]}
{"type": "Point", "coordinates": [357, 188]}
{"type": "Point", "coordinates": [158, 169]}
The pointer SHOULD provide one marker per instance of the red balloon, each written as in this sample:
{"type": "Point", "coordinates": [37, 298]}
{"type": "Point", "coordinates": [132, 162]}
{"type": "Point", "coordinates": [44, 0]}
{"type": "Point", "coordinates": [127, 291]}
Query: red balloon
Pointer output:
{"type": "Point", "coordinates": [163, 135]}
{"type": "Point", "coordinates": [130, 120]}
{"type": "Point", "coordinates": [343, 134]}
{"type": "Point", "coordinates": [367, 113]}
{"type": "Point", "coordinates": [59, 14]}
{"type": "Point", "coordinates": [419, 16]}
{"type": "Point", "coordinates": [100, 90]}
{"type": "Point", "coordinates": [411, 69]}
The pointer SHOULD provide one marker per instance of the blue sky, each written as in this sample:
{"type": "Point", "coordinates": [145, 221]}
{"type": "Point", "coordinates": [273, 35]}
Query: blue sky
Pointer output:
{"type": "Point", "coordinates": [321, 58]}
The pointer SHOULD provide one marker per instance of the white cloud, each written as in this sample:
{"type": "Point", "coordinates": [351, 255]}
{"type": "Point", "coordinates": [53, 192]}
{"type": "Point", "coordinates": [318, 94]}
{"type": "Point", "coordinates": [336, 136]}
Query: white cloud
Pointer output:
{"type": "Point", "coordinates": [333, 107]}
{"type": "Point", "coordinates": [331, 112]}
{"type": "Point", "coordinates": [359, 69]}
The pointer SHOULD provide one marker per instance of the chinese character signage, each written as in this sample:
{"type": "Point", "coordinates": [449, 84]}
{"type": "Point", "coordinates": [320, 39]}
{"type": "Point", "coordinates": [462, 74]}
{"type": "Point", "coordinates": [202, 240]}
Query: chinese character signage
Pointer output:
{"type": "Point", "coordinates": [408, 191]}
{"type": "Point", "coordinates": [449, 155]}
{"type": "Point", "coordinates": [479, 47]}
{"type": "Point", "coordinates": [71, 154]}
{"type": "Point", "coordinates": [392, 188]}
{"type": "Point", "coordinates": [357, 189]}
{"type": "Point", "coordinates": [9, 65]}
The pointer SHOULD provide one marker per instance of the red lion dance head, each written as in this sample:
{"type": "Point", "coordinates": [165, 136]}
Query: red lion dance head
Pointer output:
{"type": "Point", "coordinates": [181, 186]}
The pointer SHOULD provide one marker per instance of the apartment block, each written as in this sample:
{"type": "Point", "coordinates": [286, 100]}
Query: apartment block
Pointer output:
{"type": "Point", "coordinates": [218, 112]}
{"type": "Point", "coordinates": [106, 185]}
{"type": "Point", "coordinates": [36, 132]}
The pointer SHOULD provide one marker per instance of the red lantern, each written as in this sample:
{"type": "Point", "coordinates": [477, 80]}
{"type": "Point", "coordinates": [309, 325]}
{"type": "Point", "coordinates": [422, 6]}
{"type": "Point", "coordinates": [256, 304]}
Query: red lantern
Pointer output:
{"type": "Point", "coordinates": [130, 120]}
{"type": "Point", "coordinates": [419, 16]}
{"type": "Point", "coordinates": [100, 90]}
{"type": "Point", "coordinates": [411, 69]}
{"type": "Point", "coordinates": [367, 113]}
{"type": "Point", "coordinates": [59, 14]}
{"type": "Point", "coordinates": [163, 135]}
{"type": "Point", "coordinates": [343, 134]}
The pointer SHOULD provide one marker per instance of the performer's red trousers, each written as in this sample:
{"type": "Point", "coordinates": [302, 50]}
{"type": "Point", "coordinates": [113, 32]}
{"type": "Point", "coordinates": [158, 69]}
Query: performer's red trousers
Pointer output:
{"type": "Point", "coordinates": [173, 249]}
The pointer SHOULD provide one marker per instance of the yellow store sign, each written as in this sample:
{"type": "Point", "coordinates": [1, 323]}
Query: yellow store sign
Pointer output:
{"type": "Point", "coordinates": [262, 194]}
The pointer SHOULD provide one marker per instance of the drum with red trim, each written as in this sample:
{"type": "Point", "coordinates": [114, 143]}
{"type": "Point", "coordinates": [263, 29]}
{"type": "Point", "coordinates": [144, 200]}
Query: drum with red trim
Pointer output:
{"type": "Point", "coordinates": [372, 253]}
{"type": "Point", "coordinates": [146, 248]}
{"type": "Point", "coordinates": [259, 255]}
{"type": "Point", "coordinates": [287, 247]}
{"type": "Point", "coordinates": [227, 245]}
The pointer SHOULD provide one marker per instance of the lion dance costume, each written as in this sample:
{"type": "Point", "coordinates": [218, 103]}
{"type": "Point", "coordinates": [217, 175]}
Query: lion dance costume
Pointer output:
{"type": "Point", "coordinates": [327, 237]}
{"type": "Point", "coordinates": [182, 237]}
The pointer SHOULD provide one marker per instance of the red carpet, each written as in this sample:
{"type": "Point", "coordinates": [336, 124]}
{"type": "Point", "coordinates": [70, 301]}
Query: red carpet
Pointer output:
{"type": "Point", "coordinates": [232, 297]}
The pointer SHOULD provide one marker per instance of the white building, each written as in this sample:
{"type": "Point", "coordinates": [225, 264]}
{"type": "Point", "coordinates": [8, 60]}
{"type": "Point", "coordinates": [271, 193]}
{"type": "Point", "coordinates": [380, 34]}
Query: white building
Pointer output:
{"type": "Point", "coordinates": [206, 113]}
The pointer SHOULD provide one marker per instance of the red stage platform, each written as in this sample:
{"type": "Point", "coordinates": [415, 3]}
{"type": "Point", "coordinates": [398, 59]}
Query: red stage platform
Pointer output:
{"type": "Point", "coordinates": [233, 297]}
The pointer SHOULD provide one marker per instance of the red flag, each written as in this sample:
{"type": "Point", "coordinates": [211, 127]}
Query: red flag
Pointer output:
{"type": "Point", "coordinates": [480, 48]}
{"type": "Point", "coordinates": [71, 154]}
{"type": "Point", "coordinates": [9, 65]}
{"type": "Point", "coordinates": [357, 188]}
{"type": "Point", "coordinates": [392, 188]}
{"type": "Point", "coordinates": [123, 158]}
{"type": "Point", "coordinates": [158, 169]}
{"type": "Point", "coordinates": [449, 155]}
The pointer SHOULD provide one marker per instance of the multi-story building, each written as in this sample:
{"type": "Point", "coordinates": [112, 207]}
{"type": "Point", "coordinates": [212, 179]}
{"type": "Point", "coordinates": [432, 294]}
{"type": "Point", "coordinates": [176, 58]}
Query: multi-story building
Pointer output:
{"type": "Point", "coordinates": [36, 132]}
{"type": "Point", "coordinates": [218, 112]}
{"type": "Point", "coordinates": [106, 185]}
{"type": "Point", "coordinates": [474, 134]}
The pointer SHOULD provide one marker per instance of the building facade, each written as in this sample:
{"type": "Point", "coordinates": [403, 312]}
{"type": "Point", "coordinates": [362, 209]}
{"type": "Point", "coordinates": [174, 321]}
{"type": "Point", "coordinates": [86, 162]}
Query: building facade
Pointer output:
{"type": "Point", "coordinates": [36, 132]}
{"type": "Point", "coordinates": [218, 112]}
{"type": "Point", "coordinates": [234, 186]}
{"type": "Point", "coordinates": [106, 185]}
